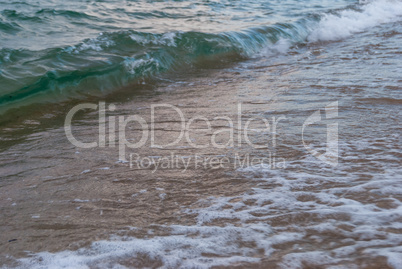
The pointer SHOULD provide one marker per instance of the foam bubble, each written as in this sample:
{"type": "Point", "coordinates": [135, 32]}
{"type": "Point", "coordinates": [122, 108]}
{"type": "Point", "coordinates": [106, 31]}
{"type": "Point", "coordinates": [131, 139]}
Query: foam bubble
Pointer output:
{"type": "Point", "coordinates": [348, 22]}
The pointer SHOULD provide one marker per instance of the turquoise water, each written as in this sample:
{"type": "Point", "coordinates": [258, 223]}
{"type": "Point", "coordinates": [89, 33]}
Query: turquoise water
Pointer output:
{"type": "Point", "coordinates": [52, 51]}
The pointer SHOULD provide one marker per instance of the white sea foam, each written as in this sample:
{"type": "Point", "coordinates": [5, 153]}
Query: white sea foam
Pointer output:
{"type": "Point", "coordinates": [166, 39]}
{"type": "Point", "coordinates": [348, 22]}
{"type": "Point", "coordinates": [98, 43]}
{"type": "Point", "coordinates": [342, 25]}
{"type": "Point", "coordinates": [285, 207]}
{"type": "Point", "coordinates": [133, 65]}
{"type": "Point", "coordinates": [280, 47]}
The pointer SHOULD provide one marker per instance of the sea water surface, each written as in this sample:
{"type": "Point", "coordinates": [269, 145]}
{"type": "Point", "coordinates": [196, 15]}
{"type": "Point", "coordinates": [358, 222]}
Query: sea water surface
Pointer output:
{"type": "Point", "coordinates": [66, 207]}
{"type": "Point", "coordinates": [53, 51]}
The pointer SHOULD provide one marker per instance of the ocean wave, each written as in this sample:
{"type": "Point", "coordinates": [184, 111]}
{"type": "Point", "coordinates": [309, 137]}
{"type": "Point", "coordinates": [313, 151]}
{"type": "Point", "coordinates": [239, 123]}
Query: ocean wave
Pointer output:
{"type": "Point", "coordinates": [15, 15]}
{"type": "Point", "coordinates": [129, 55]}
{"type": "Point", "coordinates": [9, 27]}
{"type": "Point", "coordinates": [115, 59]}
{"type": "Point", "coordinates": [348, 22]}
{"type": "Point", "coordinates": [65, 13]}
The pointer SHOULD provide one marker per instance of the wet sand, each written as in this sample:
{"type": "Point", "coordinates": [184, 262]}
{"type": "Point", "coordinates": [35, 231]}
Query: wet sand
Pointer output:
{"type": "Point", "coordinates": [71, 196]}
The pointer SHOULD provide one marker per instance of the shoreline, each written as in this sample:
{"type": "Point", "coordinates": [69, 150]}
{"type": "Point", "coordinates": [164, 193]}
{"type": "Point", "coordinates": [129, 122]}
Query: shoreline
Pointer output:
{"type": "Point", "coordinates": [88, 202]}
{"type": "Point", "coordinates": [100, 176]}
